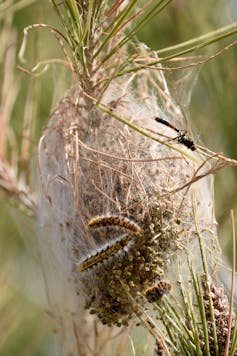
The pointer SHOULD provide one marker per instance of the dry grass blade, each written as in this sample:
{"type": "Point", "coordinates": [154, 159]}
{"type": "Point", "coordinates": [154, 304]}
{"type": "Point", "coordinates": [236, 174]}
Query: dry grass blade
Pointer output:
{"type": "Point", "coordinates": [232, 218]}
{"type": "Point", "coordinates": [16, 192]}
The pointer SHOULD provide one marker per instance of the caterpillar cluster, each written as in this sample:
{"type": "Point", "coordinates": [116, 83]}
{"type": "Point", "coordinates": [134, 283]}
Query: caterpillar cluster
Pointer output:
{"type": "Point", "coordinates": [131, 269]}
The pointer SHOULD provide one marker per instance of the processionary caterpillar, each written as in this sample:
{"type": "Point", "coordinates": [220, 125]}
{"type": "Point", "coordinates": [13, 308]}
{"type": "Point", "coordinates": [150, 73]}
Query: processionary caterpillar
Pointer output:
{"type": "Point", "coordinates": [114, 220]}
{"type": "Point", "coordinates": [155, 292]}
{"type": "Point", "coordinates": [104, 254]}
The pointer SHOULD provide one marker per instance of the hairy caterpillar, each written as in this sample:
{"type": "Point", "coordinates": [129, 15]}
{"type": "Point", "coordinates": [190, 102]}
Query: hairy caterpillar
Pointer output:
{"type": "Point", "coordinates": [114, 220]}
{"type": "Point", "coordinates": [104, 254]}
{"type": "Point", "coordinates": [155, 292]}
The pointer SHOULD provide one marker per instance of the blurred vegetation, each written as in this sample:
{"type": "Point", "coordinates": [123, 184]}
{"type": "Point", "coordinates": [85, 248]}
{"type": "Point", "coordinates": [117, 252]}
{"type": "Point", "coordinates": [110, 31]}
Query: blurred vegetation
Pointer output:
{"type": "Point", "coordinates": [213, 119]}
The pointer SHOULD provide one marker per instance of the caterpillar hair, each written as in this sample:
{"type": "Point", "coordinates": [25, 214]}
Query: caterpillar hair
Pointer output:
{"type": "Point", "coordinates": [114, 220]}
{"type": "Point", "coordinates": [104, 254]}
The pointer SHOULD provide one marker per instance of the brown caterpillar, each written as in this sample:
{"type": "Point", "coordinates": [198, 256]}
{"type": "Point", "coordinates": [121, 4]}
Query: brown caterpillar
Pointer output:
{"type": "Point", "coordinates": [114, 220]}
{"type": "Point", "coordinates": [154, 293]}
{"type": "Point", "coordinates": [104, 254]}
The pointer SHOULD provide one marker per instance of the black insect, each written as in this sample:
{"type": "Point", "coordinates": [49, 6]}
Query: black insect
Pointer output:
{"type": "Point", "coordinates": [181, 138]}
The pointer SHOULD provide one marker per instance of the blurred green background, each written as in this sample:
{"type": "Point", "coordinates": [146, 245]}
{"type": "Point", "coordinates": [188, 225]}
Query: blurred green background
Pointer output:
{"type": "Point", "coordinates": [212, 110]}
